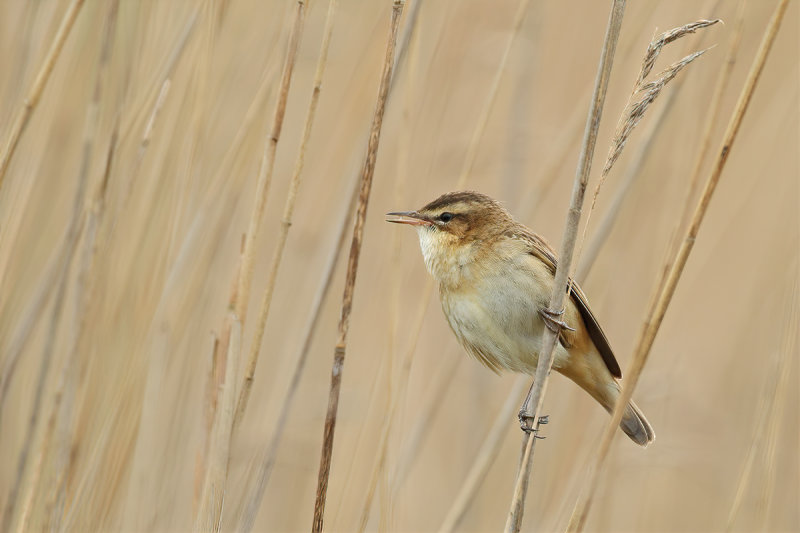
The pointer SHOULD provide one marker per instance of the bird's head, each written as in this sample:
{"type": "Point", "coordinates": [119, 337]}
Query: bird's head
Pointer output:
{"type": "Point", "coordinates": [450, 227]}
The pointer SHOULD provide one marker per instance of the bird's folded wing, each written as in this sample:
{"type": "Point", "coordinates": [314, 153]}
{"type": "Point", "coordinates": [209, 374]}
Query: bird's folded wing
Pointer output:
{"type": "Point", "coordinates": [542, 250]}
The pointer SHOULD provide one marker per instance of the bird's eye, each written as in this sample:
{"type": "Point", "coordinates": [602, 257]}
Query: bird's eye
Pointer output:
{"type": "Point", "coordinates": [446, 217]}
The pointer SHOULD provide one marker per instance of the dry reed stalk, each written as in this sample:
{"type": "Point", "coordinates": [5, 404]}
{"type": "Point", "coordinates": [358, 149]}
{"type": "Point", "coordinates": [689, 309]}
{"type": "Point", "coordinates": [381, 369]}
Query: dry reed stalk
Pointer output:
{"type": "Point", "coordinates": [773, 420]}
{"type": "Point", "coordinates": [288, 210]}
{"type": "Point", "coordinates": [259, 477]}
{"type": "Point", "coordinates": [265, 173]}
{"type": "Point", "coordinates": [769, 413]}
{"type": "Point", "coordinates": [210, 412]}
{"type": "Point", "coordinates": [532, 407]}
{"type": "Point", "coordinates": [75, 228]}
{"type": "Point", "coordinates": [74, 231]}
{"type": "Point", "coordinates": [34, 94]}
{"type": "Point", "coordinates": [89, 139]}
{"type": "Point", "coordinates": [67, 389]}
{"type": "Point", "coordinates": [255, 493]}
{"type": "Point", "coordinates": [483, 460]}
{"type": "Point", "coordinates": [352, 268]}
{"type": "Point", "coordinates": [209, 515]}
{"type": "Point", "coordinates": [667, 287]}
{"type": "Point", "coordinates": [244, 276]}
{"type": "Point", "coordinates": [629, 122]}
{"type": "Point", "coordinates": [711, 118]}
{"type": "Point", "coordinates": [239, 298]}
{"type": "Point", "coordinates": [380, 471]}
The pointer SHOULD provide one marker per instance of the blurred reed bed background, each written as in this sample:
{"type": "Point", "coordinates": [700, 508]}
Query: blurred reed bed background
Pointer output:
{"type": "Point", "coordinates": [122, 214]}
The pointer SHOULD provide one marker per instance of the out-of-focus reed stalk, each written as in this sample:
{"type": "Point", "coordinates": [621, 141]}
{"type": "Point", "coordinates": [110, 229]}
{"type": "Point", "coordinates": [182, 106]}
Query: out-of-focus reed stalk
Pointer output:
{"type": "Point", "coordinates": [394, 394]}
{"type": "Point", "coordinates": [265, 174]}
{"type": "Point", "coordinates": [711, 117]}
{"type": "Point", "coordinates": [533, 403]}
{"type": "Point", "coordinates": [265, 460]}
{"type": "Point", "coordinates": [769, 413]}
{"type": "Point", "coordinates": [667, 287]}
{"type": "Point", "coordinates": [209, 515]}
{"type": "Point", "coordinates": [240, 291]}
{"type": "Point", "coordinates": [60, 425]}
{"type": "Point", "coordinates": [367, 173]}
{"type": "Point", "coordinates": [240, 296]}
{"type": "Point", "coordinates": [288, 210]}
{"type": "Point", "coordinates": [75, 228]}
{"type": "Point", "coordinates": [35, 92]}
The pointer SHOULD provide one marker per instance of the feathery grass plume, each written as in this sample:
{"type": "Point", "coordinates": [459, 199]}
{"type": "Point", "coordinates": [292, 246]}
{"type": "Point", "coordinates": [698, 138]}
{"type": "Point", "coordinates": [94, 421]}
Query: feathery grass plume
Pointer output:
{"type": "Point", "coordinates": [633, 172]}
{"type": "Point", "coordinates": [666, 288]}
{"type": "Point", "coordinates": [367, 173]}
{"type": "Point", "coordinates": [644, 93]}
{"type": "Point", "coordinates": [532, 407]}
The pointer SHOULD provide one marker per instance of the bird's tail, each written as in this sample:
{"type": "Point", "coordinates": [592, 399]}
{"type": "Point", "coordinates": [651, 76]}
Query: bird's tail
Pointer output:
{"type": "Point", "coordinates": [636, 426]}
{"type": "Point", "coordinates": [633, 422]}
{"type": "Point", "coordinates": [606, 391]}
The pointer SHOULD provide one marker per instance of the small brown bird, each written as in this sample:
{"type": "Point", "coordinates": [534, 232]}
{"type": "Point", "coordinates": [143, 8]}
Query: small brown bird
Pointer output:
{"type": "Point", "coordinates": [495, 280]}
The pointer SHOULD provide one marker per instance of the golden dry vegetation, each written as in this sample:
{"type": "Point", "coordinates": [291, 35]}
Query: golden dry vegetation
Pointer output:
{"type": "Point", "coordinates": [121, 221]}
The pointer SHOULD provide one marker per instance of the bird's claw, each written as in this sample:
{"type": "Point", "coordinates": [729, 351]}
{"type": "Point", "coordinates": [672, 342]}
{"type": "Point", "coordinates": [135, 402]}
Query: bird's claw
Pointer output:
{"type": "Point", "coordinates": [526, 423]}
{"type": "Point", "coordinates": [552, 320]}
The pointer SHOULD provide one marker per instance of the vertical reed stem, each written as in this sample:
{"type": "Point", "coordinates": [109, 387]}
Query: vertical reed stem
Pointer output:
{"type": "Point", "coordinates": [533, 403]}
{"type": "Point", "coordinates": [352, 268]}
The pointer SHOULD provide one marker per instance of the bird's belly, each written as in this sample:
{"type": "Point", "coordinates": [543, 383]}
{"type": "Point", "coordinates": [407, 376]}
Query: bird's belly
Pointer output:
{"type": "Point", "coordinates": [498, 322]}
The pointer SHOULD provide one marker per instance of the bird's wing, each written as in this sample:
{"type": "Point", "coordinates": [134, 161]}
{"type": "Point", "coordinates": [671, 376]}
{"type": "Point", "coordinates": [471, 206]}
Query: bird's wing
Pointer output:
{"type": "Point", "coordinates": [542, 250]}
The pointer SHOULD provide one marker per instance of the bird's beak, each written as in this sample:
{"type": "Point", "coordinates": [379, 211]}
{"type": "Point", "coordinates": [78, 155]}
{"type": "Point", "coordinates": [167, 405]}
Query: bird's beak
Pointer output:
{"type": "Point", "coordinates": [408, 217]}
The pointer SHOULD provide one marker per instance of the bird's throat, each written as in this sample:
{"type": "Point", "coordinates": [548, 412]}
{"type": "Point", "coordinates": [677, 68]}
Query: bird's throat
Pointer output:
{"type": "Point", "coordinates": [446, 259]}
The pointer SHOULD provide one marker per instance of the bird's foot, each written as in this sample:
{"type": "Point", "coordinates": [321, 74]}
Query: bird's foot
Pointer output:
{"type": "Point", "coordinates": [526, 423]}
{"type": "Point", "coordinates": [552, 319]}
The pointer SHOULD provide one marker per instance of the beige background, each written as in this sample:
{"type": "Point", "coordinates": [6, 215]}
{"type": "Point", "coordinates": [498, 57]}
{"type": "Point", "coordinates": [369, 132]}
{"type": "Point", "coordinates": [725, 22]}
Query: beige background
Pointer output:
{"type": "Point", "coordinates": [169, 241]}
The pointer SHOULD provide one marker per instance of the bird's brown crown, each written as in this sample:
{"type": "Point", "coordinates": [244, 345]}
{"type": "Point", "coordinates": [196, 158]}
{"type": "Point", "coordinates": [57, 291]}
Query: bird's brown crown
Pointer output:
{"type": "Point", "coordinates": [467, 214]}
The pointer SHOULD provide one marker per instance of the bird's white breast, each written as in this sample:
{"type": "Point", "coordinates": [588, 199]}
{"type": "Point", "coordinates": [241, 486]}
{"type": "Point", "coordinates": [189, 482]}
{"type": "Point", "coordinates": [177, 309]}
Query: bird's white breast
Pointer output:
{"type": "Point", "coordinates": [496, 316]}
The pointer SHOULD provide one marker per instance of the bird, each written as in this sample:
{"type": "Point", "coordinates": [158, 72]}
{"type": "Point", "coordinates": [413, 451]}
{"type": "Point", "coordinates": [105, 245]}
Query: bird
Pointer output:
{"type": "Point", "coordinates": [495, 279]}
